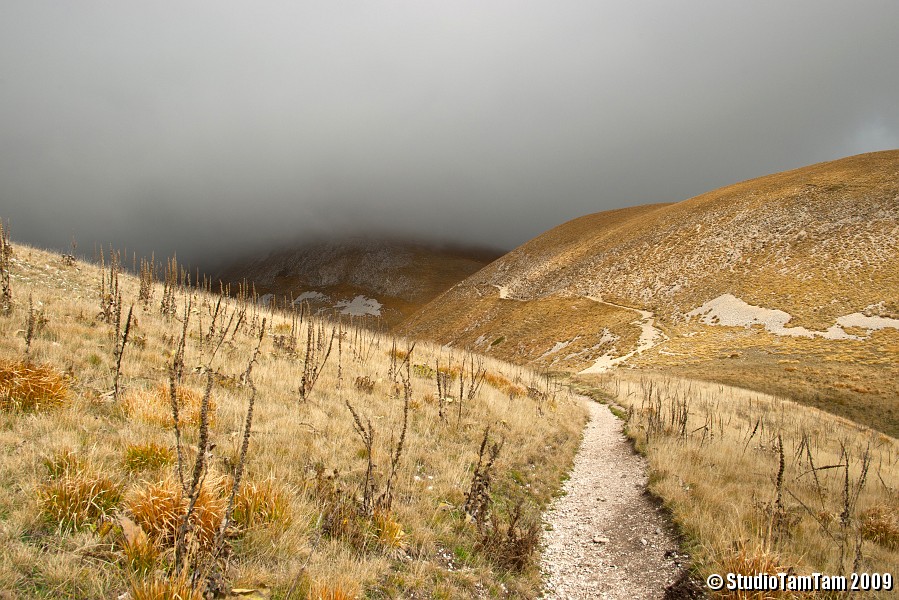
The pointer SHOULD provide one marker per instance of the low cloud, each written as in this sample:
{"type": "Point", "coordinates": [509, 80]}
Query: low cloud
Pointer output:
{"type": "Point", "coordinates": [217, 129]}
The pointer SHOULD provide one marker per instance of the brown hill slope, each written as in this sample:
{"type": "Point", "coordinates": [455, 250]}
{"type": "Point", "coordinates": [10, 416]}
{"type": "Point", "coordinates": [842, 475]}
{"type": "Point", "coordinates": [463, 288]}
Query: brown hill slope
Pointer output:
{"type": "Point", "coordinates": [359, 277]}
{"type": "Point", "coordinates": [788, 282]}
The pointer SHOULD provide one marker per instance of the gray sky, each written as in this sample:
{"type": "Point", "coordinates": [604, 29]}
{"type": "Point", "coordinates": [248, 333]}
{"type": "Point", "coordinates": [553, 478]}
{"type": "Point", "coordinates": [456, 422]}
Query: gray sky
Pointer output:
{"type": "Point", "coordinates": [218, 127]}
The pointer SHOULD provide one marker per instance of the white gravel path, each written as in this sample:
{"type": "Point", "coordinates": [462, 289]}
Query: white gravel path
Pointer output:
{"type": "Point", "coordinates": [608, 539]}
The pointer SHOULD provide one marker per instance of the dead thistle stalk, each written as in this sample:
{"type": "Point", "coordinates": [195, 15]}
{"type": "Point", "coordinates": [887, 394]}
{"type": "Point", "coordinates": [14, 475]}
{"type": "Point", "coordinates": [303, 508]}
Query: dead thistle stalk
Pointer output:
{"type": "Point", "coordinates": [477, 500]}
{"type": "Point", "coordinates": [196, 483]}
{"type": "Point", "coordinates": [5, 258]}
{"type": "Point", "coordinates": [176, 370]}
{"type": "Point", "coordinates": [121, 338]}
{"type": "Point", "coordinates": [238, 472]}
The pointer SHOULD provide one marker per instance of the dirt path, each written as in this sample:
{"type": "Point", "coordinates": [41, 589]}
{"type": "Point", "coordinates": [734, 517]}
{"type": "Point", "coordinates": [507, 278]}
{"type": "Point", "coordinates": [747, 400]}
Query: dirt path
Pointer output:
{"type": "Point", "coordinates": [650, 336]}
{"type": "Point", "coordinates": [606, 537]}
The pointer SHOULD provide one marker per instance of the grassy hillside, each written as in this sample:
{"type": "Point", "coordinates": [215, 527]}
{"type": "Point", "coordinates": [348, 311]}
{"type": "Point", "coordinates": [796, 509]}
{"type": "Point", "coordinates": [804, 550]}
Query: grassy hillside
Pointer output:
{"type": "Point", "coordinates": [786, 283]}
{"type": "Point", "coordinates": [358, 479]}
{"type": "Point", "coordinates": [760, 484]}
{"type": "Point", "coordinates": [400, 276]}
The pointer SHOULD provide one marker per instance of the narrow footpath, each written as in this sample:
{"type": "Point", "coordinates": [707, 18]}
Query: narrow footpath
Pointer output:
{"type": "Point", "coordinates": [606, 538]}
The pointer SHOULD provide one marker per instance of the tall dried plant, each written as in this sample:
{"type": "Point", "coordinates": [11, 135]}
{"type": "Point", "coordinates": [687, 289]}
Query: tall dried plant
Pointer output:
{"type": "Point", "coordinates": [5, 259]}
{"type": "Point", "coordinates": [476, 374]}
{"type": "Point", "coordinates": [315, 358]}
{"type": "Point", "coordinates": [385, 500]}
{"type": "Point", "coordinates": [147, 275]}
{"type": "Point", "coordinates": [176, 371]}
{"type": "Point", "coordinates": [185, 560]}
{"type": "Point", "coordinates": [110, 296]}
{"type": "Point", "coordinates": [477, 499]}
{"type": "Point", "coordinates": [121, 339]}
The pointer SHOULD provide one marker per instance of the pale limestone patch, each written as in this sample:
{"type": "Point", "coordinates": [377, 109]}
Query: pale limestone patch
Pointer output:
{"type": "Point", "coordinates": [865, 322]}
{"type": "Point", "coordinates": [359, 306]}
{"type": "Point", "coordinates": [558, 346]}
{"type": "Point", "coordinates": [310, 297]}
{"type": "Point", "coordinates": [729, 311]}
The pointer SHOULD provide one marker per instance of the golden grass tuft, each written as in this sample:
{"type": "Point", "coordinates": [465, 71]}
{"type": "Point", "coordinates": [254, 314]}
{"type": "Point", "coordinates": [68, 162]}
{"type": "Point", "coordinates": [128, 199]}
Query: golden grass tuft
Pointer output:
{"type": "Point", "coordinates": [158, 508]}
{"type": "Point", "coordinates": [140, 552]}
{"type": "Point", "coordinates": [176, 588]}
{"type": "Point", "coordinates": [391, 536]}
{"type": "Point", "coordinates": [27, 387]}
{"type": "Point", "coordinates": [154, 406]}
{"type": "Point", "coordinates": [61, 463]}
{"type": "Point", "coordinates": [749, 560]}
{"type": "Point", "coordinates": [503, 384]}
{"type": "Point", "coordinates": [334, 590]}
{"type": "Point", "coordinates": [149, 456]}
{"type": "Point", "coordinates": [261, 503]}
{"type": "Point", "coordinates": [79, 498]}
{"type": "Point", "coordinates": [880, 524]}
{"type": "Point", "coordinates": [398, 354]}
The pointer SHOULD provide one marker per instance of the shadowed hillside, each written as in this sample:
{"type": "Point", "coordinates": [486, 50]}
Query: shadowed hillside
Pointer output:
{"type": "Point", "coordinates": [369, 278]}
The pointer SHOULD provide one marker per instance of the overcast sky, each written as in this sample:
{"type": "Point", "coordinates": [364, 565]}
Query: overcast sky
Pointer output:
{"type": "Point", "coordinates": [217, 127]}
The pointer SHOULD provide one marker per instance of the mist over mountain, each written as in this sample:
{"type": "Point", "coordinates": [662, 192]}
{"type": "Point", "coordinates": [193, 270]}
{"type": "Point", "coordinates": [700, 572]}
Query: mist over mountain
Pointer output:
{"type": "Point", "coordinates": [225, 129]}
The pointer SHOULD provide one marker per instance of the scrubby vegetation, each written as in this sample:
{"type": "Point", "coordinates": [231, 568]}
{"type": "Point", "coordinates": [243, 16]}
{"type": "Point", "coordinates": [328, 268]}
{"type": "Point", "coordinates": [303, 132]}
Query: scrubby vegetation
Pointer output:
{"type": "Point", "coordinates": [167, 441]}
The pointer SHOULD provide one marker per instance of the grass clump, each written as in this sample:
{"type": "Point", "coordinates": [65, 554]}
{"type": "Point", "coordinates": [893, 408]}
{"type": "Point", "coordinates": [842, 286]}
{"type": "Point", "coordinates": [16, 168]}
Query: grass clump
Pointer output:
{"type": "Point", "coordinates": [175, 588]}
{"type": "Point", "coordinates": [29, 388]}
{"type": "Point", "coordinates": [511, 542]}
{"type": "Point", "coordinates": [78, 498]}
{"type": "Point", "coordinates": [746, 559]}
{"type": "Point", "coordinates": [390, 534]}
{"type": "Point", "coordinates": [158, 508]}
{"type": "Point", "coordinates": [343, 588]}
{"type": "Point", "coordinates": [154, 406]}
{"type": "Point", "coordinates": [261, 503]}
{"type": "Point", "coordinates": [61, 463]}
{"type": "Point", "coordinates": [141, 554]}
{"type": "Point", "coordinates": [503, 384]}
{"type": "Point", "coordinates": [880, 524]}
{"type": "Point", "coordinates": [146, 457]}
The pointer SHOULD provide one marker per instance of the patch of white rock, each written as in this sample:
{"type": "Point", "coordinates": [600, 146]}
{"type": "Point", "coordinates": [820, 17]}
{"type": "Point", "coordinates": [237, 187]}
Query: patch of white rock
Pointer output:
{"type": "Point", "coordinates": [729, 311]}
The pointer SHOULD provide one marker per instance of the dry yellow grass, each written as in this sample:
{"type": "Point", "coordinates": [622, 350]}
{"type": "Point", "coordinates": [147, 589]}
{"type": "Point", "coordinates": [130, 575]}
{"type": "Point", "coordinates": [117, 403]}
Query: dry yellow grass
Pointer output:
{"type": "Point", "coordinates": [78, 499]}
{"type": "Point", "coordinates": [715, 454]}
{"type": "Point", "coordinates": [158, 509]}
{"type": "Point", "coordinates": [163, 589]}
{"type": "Point", "coordinates": [154, 406]}
{"type": "Point", "coordinates": [298, 511]}
{"type": "Point", "coordinates": [28, 387]}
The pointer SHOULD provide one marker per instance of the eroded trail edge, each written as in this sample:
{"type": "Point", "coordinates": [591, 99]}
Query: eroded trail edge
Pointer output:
{"type": "Point", "coordinates": [606, 538]}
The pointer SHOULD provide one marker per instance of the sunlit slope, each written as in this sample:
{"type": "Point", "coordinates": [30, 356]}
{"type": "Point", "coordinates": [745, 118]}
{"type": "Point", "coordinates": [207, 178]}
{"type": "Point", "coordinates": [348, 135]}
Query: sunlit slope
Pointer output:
{"type": "Point", "coordinates": [356, 471]}
{"type": "Point", "coordinates": [819, 244]}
